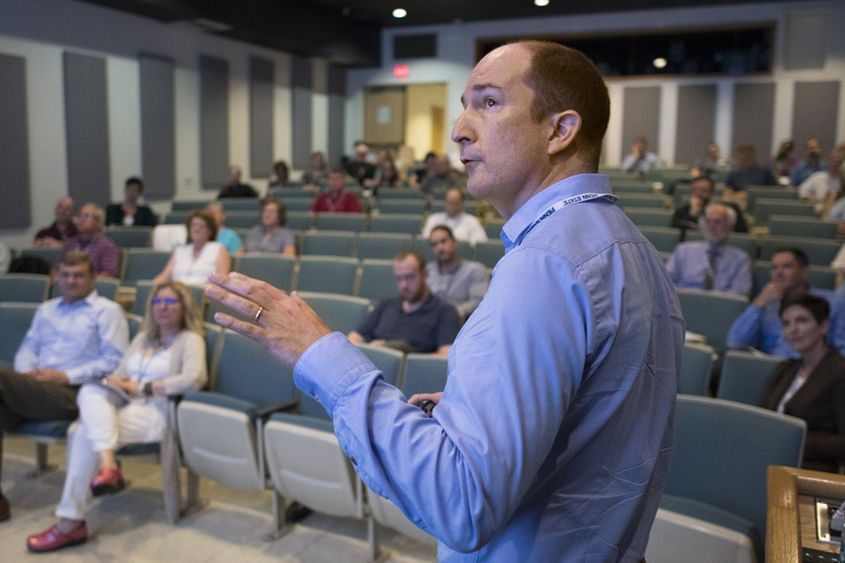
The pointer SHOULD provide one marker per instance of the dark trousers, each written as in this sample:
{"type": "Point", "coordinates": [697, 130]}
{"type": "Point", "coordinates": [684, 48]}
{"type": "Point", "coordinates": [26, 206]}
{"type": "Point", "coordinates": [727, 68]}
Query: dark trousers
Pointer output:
{"type": "Point", "coordinates": [24, 398]}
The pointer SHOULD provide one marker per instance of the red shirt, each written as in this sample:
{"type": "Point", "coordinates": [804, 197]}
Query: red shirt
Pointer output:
{"type": "Point", "coordinates": [346, 202]}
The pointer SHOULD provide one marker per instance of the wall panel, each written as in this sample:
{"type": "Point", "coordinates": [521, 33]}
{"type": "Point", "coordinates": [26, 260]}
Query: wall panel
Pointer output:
{"type": "Point", "coordinates": [15, 210]}
{"type": "Point", "coordinates": [261, 80]}
{"type": "Point", "coordinates": [158, 127]}
{"type": "Point", "coordinates": [696, 121]}
{"type": "Point", "coordinates": [214, 122]}
{"type": "Point", "coordinates": [641, 116]}
{"type": "Point", "coordinates": [815, 112]}
{"type": "Point", "coordinates": [86, 128]}
{"type": "Point", "coordinates": [301, 111]}
{"type": "Point", "coordinates": [752, 117]}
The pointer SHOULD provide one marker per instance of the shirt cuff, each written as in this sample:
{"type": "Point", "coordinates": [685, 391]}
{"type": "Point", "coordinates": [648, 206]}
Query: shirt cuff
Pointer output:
{"type": "Point", "coordinates": [328, 367]}
{"type": "Point", "coordinates": [77, 376]}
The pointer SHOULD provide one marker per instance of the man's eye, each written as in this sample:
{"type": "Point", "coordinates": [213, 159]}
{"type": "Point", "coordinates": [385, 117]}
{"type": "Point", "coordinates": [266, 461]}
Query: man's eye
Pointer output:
{"type": "Point", "coordinates": [488, 102]}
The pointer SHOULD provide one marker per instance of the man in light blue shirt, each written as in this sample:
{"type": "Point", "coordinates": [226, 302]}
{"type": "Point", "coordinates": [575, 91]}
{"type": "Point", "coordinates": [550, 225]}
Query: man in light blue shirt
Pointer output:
{"type": "Point", "coordinates": [73, 339]}
{"type": "Point", "coordinates": [552, 438]}
{"type": "Point", "coordinates": [712, 264]}
{"type": "Point", "coordinates": [759, 326]}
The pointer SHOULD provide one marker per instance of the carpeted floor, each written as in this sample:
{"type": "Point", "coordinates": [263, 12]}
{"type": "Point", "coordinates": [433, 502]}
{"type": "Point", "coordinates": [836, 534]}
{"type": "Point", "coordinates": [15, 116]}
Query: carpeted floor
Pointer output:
{"type": "Point", "coordinates": [130, 527]}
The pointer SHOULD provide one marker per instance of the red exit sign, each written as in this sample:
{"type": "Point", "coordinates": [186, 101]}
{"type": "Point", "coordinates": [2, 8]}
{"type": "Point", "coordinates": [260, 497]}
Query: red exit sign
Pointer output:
{"type": "Point", "coordinates": [401, 71]}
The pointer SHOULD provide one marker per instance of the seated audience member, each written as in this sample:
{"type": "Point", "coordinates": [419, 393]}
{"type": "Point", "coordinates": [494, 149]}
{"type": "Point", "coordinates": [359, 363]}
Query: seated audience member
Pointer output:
{"type": "Point", "coordinates": [461, 283]}
{"type": "Point", "coordinates": [442, 177]}
{"type": "Point", "coordinates": [759, 326]}
{"type": "Point", "coordinates": [429, 165]}
{"type": "Point", "coordinates": [195, 260]}
{"type": "Point", "coordinates": [236, 188]}
{"type": "Point", "coordinates": [708, 164]}
{"type": "Point", "coordinates": [317, 175]}
{"type": "Point", "coordinates": [225, 236]}
{"type": "Point", "coordinates": [360, 168]}
{"type": "Point", "coordinates": [822, 188]}
{"type": "Point", "coordinates": [811, 386]}
{"type": "Point", "coordinates": [691, 215]}
{"type": "Point", "coordinates": [712, 263]}
{"type": "Point", "coordinates": [784, 161]}
{"type": "Point", "coordinates": [748, 172]}
{"type": "Point", "coordinates": [404, 163]}
{"type": "Point", "coordinates": [463, 225]}
{"type": "Point", "coordinates": [103, 251]}
{"type": "Point", "coordinates": [271, 235]}
{"type": "Point", "coordinates": [130, 213]}
{"type": "Point", "coordinates": [167, 357]}
{"type": "Point", "coordinates": [813, 163]}
{"type": "Point", "coordinates": [62, 228]}
{"type": "Point", "coordinates": [416, 320]}
{"type": "Point", "coordinates": [282, 181]}
{"type": "Point", "coordinates": [336, 199]}
{"type": "Point", "coordinates": [639, 160]}
{"type": "Point", "coordinates": [387, 177]}
{"type": "Point", "coordinates": [74, 338]}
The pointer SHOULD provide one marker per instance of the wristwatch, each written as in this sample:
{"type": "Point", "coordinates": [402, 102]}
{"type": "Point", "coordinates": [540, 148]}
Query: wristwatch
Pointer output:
{"type": "Point", "coordinates": [147, 389]}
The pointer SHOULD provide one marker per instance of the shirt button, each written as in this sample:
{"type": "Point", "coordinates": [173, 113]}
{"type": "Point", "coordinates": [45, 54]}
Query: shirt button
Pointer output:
{"type": "Point", "coordinates": [352, 459]}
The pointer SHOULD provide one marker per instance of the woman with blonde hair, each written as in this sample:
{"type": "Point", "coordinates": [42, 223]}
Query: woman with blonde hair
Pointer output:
{"type": "Point", "coordinates": [167, 357]}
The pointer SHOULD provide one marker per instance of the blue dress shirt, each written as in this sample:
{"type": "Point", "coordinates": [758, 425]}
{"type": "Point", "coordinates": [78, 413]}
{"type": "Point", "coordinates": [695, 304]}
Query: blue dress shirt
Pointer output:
{"type": "Point", "coordinates": [553, 436]}
{"type": "Point", "coordinates": [761, 328]}
{"type": "Point", "coordinates": [85, 339]}
{"type": "Point", "coordinates": [689, 265]}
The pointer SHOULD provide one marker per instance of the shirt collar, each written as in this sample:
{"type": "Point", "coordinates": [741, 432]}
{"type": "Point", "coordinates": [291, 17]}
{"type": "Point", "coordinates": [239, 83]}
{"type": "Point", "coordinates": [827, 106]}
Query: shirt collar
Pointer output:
{"type": "Point", "coordinates": [568, 187]}
{"type": "Point", "coordinates": [88, 299]}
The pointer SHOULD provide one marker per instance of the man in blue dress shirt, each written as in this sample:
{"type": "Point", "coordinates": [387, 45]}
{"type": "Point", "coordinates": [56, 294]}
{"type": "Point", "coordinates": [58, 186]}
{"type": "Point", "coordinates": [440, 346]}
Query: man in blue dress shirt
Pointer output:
{"type": "Point", "coordinates": [73, 339]}
{"type": "Point", "coordinates": [552, 438]}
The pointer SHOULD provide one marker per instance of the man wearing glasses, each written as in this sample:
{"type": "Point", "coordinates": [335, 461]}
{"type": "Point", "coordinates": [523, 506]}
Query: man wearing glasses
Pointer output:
{"type": "Point", "coordinates": [74, 338]}
{"type": "Point", "coordinates": [91, 240]}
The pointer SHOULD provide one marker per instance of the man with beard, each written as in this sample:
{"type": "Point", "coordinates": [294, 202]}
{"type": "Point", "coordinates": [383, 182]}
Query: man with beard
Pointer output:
{"type": "Point", "coordinates": [416, 320]}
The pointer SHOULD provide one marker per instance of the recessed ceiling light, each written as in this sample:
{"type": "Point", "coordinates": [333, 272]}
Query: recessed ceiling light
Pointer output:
{"type": "Point", "coordinates": [399, 13]}
{"type": "Point", "coordinates": [659, 62]}
{"type": "Point", "coordinates": [541, 3]}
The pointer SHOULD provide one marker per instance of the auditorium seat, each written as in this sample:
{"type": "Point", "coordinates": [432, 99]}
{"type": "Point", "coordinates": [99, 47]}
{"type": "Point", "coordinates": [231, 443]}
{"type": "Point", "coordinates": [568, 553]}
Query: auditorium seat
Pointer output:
{"type": "Point", "coordinates": [756, 193]}
{"type": "Point", "coordinates": [143, 264]}
{"type": "Point", "coordinates": [343, 313]}
{"type": "Point", "coordinates": [489, 252]}
{"type": "Point", "coordinates": [766, 207]}
{"type": "Point", "coordinates": [409, 223]}
{"type": "Point", "coordinates": [299, 220]}
{"type": "Point", "coordinates": [722, 452]}
{"type": "Point", "coordinates": [327, 274]}
{"type": "Point", "coordinates": [130, 237]}
{"type": "Point", "coordinates": [15, 320]}
{"type": "Point", "coordinates": [664, 239]}
{"type": "Point", "coordinates": [328, 243]}
{"type": "Point", "coordinates": [649, 217]}
{"type": "Point", "coordinates": [415, 206]}
{"type": "Point", "coordinates": [240, 204]}
{"type": "Point", "coordinates": [711, 313]}
{"type": "Point", "coordinates": [744, 376]}
{"type": "Point", "coordinates": [819, 252]}
{"type": "Point", "coordinates": [696, 364]}
{"type": "Point", "coordinates": [640, 200]}
{"type": "Point", "coordinates": [787, 225]}
{"type": "Point", "coordinates": [242, 219]}
{"type": "Point", "coordinates": [423, 373]}
{"type": "Point", "coordinates": [493, 227]}
{"type": "Point", "coordinates": [382, 245]}
{"type": "Point", "coordinates": [221, 430]}
{"type": "Point", "coordinates": [354, 222]}
{"type": "Point", "coordinates": [24, 288]}
{"type": "Point", "coordinates": [376, 281]}
{"type": "Point", "coordinates": [272, 268]}
{"type": "Point", "coordinates": [304, 460]}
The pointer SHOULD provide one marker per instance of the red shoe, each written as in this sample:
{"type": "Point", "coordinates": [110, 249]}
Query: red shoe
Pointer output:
{"type": "Point", "coordinates": [108, 481]}
{"type": "Point", "coordinates": [52, 539]}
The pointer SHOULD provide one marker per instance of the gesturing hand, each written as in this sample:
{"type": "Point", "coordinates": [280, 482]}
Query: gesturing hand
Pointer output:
{"type": "Point", "coordinates": [282, 323]}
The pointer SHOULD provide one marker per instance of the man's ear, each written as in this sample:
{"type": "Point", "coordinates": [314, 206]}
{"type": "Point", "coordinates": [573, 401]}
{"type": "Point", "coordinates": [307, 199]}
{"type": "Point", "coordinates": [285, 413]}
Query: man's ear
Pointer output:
{"type": "Point", "coordinates": [567, 124]}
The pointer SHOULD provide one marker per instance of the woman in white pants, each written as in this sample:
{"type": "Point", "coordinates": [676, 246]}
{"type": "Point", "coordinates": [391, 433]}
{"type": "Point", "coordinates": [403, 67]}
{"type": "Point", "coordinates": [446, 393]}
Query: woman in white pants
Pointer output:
{"type": "Point", "coordinates": [130, 406]}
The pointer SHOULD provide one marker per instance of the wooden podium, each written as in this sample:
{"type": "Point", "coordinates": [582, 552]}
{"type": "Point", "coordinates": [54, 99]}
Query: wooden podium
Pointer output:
{"type": "Point", "coordinates": [791, 520]}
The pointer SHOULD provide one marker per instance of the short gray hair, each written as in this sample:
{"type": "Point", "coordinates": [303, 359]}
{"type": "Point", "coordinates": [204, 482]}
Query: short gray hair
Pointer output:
{"type": "Point", "coordinates": [729, 212]}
